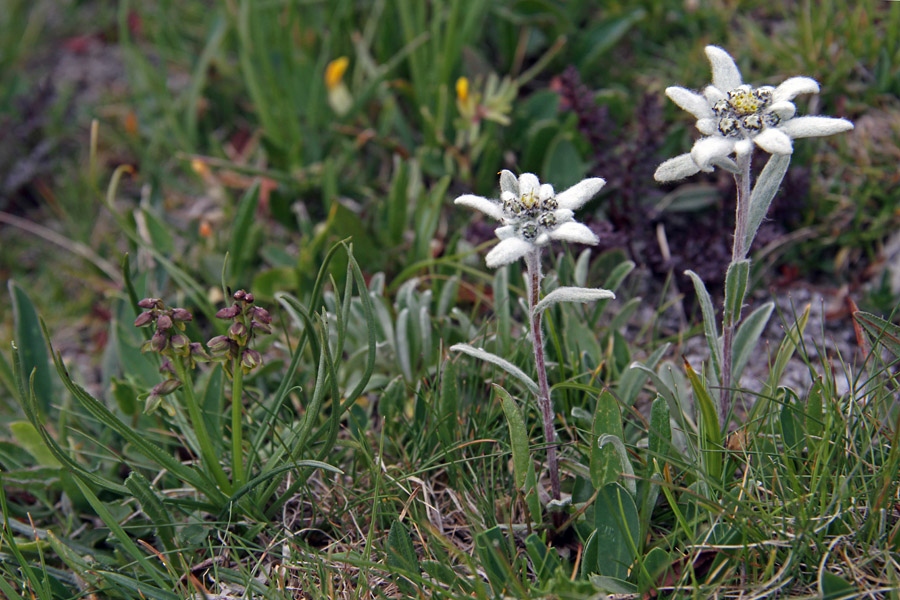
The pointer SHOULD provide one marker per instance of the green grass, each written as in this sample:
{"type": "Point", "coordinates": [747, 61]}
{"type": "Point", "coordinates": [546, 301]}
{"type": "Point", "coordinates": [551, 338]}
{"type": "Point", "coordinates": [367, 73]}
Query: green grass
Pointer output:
{"type": "Point", "coordinates": [373, 462]}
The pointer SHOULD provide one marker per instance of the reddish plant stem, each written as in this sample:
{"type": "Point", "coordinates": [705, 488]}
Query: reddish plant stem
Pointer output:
{"type": "Point", "coordinates": [533, 263]}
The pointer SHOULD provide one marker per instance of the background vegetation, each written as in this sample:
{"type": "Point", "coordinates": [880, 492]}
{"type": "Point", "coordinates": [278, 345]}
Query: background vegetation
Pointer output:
{"type": "Point", "coordinates": [374, 463]}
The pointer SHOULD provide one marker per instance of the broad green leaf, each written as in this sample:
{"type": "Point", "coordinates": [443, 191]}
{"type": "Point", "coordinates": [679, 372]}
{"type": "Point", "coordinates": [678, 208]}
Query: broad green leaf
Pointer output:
{"type": "Point", "coordinates": [607, 420]}
{"type": "Point", "coordinates": [627, 471]}
{"type": "Point", "coordinates": [617, 531]}
{"type": "Point", "coordinates": [32, 349]}
{"type": "Point", "coordinates": [29, 438]}
{"type": "Point", "coordinates": [834, 587]}
{"type": "Point", "coordinates": [709, 322]}
{"type": "Point", "coordinates": [735, 289]}
{"type": "Point", "coordinates": [660, 436]}
{"type": "Point", "coordinates": [544, 560]}
{"type": "Point", "coordinates": [563, 164]}
{"type": "Point", "coordinates": [518, 436]}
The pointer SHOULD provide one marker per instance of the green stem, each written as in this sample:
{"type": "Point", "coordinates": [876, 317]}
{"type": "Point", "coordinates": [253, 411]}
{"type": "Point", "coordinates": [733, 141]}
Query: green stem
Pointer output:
{"type": "Point", "coordinates": [237, 433]}
{"type": "Point", "coordinates": [206, 448]}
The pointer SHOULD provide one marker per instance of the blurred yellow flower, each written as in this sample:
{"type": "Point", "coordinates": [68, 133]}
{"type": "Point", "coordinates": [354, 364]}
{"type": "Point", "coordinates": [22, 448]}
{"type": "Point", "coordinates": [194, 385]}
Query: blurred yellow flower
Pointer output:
{"type": "Point", "coordinates": [334, 72]}
{"type": "Point", "coordinates": [462, 89]}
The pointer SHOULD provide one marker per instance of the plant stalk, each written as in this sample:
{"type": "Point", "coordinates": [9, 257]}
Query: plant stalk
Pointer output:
{"type": "Point", "coordinates": [533, 263]}
{"type": "Point", "coordinates": [237, 437]}
{"type": "Point", "coordinates": [206, 448]}
{"type": "Point", "coordinates": [738, 253]}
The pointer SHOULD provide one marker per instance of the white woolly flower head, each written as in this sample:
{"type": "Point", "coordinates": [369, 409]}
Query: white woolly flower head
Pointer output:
{"type": "Point", "coordinates": [532, 215]}
{"type": "Point", "coordinates": [734, 116]}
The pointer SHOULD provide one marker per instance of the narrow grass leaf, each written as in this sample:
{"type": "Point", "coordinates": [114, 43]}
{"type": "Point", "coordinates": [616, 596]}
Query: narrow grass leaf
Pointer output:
{"type": "Point", "coordinates": [507, 366]}
{"type": "Point", "coordinates": [785, 352]}
{"type": "Point", "coordinates": [122, 538]}
{"type": "Point", "coordinates": [710, 431]}
{"type": "Point", "coordinates": [152, 506]}
{"type": "Point", "coordinates": [518, 436]}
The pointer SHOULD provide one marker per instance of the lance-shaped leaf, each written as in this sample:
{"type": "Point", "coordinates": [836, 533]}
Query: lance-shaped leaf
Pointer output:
{"type": "Point", "coordinates": [709, 322]}
{"type": "Point", "coordinates": [500, 362]}
{"type": "Point", "coordinates": [735, 289]}
{"type": "Point", "coordinates": [763, 192]}
{"type": "Point", "coordinates": [881, 331]}
{"type": "Point", "coordinates": [572, 294]}
{"type": "Point", "coordinates": [518, 435]}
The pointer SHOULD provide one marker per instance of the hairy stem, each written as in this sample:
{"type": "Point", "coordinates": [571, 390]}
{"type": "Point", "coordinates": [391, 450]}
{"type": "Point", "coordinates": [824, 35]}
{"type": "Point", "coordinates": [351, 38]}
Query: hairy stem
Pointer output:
{"type": "Point", "coordinates": [738, 252]}
{"type": "Point", "coordinates": [533, 262]}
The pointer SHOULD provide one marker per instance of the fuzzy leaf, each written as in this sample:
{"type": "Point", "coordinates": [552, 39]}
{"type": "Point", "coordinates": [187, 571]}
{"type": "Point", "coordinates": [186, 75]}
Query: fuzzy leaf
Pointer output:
{"type": "Point", "coordinates": [572, 294]}
{"type": "Point", "coordinates": [500, 362]}
{"type": "Point", "coordinates": [709, 322]}
{"type": "Point", "coordinates": [763, 192]}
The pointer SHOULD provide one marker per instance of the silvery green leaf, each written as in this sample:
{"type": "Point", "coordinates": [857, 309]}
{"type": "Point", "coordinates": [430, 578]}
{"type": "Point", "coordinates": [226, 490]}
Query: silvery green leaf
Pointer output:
{"type": "Point", "coordinates": [709, 322]}
{"type": "Point", "coordinates": [500, 362]}
{"type": "Point", "coordinates": [723, 162]}
{"type": "Point", "coordinates": [376, 284]}
{"type": "Point", "coordinates": [581, 267]}
{"type": "Point", "coordinates": [632, 379]}
{"type": "Point", "coordinates": [448, 295]}
{"type": "Point", "coordinates": [748, 336]}
{"type": "Point", "coordinates": [402, 345]}
{"type": "Point", "coordinates": [502, 308]}
{"type": "Point", "coordinates": [572, 294]}
{"type": "Point", "coordinates": [425, 329]}
{"type": "Point", "coordinates": [627, 469]}
{"type": "Point", "coordinates": [764, 190]}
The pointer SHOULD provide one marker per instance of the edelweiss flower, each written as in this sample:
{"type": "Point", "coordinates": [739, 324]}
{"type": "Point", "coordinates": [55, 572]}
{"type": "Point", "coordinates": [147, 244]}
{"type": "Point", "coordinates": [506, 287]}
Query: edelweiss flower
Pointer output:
{"type": "Point", "coordinates": [533, 214]}
{"type": "Point", "coordinates": [734, 116]}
